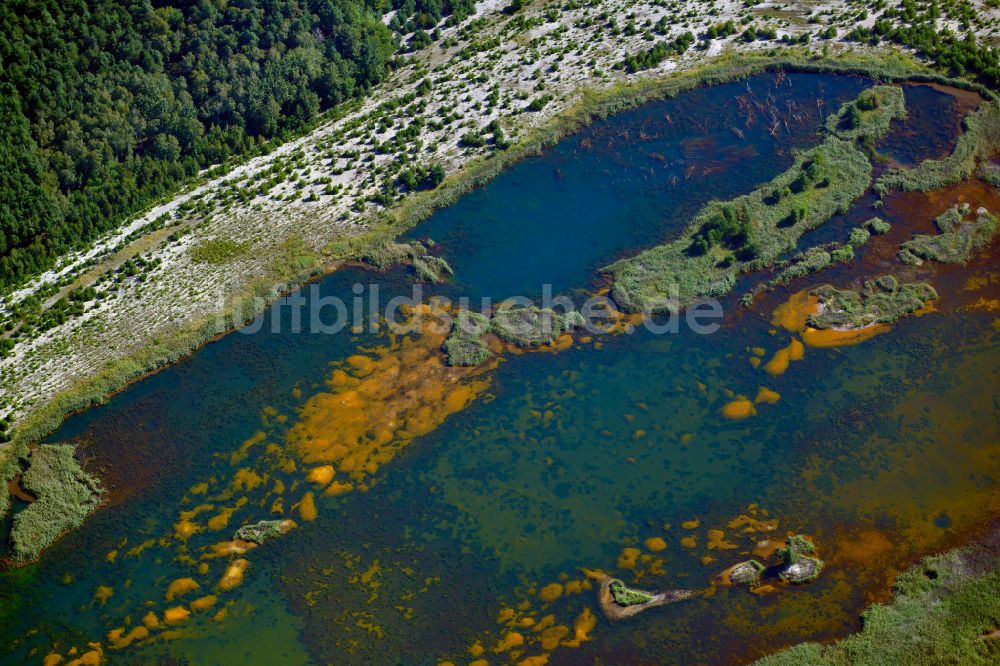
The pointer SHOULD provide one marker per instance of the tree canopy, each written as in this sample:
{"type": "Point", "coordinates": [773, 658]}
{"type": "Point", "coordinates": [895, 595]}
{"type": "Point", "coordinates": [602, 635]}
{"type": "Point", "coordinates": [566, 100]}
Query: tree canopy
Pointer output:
{"type": "Point", "coordinates": [105, 105]}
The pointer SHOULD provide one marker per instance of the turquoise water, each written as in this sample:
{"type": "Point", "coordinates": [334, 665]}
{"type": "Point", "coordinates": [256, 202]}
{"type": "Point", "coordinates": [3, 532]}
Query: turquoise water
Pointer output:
{"type": "Point", "coordinates": [565, 458]}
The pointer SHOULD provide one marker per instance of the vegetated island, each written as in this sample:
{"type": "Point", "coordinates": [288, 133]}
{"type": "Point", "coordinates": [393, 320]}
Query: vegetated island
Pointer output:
{"type": "Point", "coordinates": [64, 495]}
{"type": "Point", "coordinates": [882, 300]}
{"type": "Point", "coordinates": [747, 233]}
{"type": "Point", "coordinates": [959, 237]}
{"type": "Point", "coordinates": [521, 326]}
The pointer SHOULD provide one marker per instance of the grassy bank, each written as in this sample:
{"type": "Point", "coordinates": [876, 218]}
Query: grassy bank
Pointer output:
{"type": "Point", "coordinates": [946, 610]}
{"type": "Point", "coordinates": [291, 265]}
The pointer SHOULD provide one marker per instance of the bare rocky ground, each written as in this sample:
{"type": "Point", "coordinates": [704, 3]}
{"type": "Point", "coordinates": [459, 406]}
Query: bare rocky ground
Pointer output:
{"type": "Point", "coordinates": [218, 238]}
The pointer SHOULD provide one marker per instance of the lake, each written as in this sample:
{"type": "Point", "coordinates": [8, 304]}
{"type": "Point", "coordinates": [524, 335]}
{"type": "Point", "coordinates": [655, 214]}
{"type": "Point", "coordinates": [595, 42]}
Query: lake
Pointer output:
{"type": "Point", "coordinates": [484, 494]}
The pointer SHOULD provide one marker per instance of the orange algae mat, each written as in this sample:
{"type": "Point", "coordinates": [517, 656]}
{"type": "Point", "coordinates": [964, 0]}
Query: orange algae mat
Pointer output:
{"type": "Point", "coordinates": [376, 404]}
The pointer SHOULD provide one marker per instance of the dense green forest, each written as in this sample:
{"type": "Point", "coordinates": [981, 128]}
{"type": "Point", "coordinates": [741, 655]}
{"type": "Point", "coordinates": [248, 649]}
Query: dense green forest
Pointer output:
{"type": "Point", "coordinates": [105, 105]}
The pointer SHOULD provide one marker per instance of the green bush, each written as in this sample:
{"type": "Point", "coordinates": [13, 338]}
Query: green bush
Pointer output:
{"type": "Point", "coordinates": [859, 236]}
{"type": "Point", "coordinates": [842, 253]}
{"type": "Point", "coordinates": [465, 346]}
{"type": "Point", "coordinates": [958, 240]}
{"type": "Point", "coordinates": [216, 251]}
{"type": "Point", "coordinates": [878, 226]}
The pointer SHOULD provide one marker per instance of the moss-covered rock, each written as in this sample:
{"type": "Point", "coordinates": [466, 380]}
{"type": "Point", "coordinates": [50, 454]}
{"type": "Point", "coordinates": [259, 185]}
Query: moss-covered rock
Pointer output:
{"type": "Point", "coordinates": [798, 565]}
{"type": "Point", "coordinates": [745, 573]}
{"type": "Point", "coordinates": [619, 602]}
{"type": "Point", "coordinates": [625, 596]}
{"type": "Point", "coordinates": [804, 570]}
{"type": "Point", "coordinates": [263, 531]}
{"type": "Point", "coordinates": [64, 493]}
{"type": "Point", "coordinates": [881, 301]}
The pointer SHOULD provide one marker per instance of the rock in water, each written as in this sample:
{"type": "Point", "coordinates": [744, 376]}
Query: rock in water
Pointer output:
{"type": "Point", "coordinates": [619, 602]}
{"type": "Point", "coordinates": [804, 570]}
{"type": "Point", "coordinates": [745, 573]}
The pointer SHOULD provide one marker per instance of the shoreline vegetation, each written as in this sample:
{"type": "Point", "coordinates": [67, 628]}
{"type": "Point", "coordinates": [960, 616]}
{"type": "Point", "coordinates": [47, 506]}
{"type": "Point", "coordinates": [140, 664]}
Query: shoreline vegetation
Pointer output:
{"type": "Point", "coordinates": [945, 611]}
{"type": "Point", "coordinates": [296, 266]}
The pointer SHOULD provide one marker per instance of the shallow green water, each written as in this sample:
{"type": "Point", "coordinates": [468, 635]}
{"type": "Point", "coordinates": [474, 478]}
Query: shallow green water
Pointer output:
{"type": "Point", "coordinates": [567, 458]}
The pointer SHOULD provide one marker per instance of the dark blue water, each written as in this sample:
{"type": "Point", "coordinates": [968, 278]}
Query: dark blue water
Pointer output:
{"type": "Point", "coordinates": [625, 183]}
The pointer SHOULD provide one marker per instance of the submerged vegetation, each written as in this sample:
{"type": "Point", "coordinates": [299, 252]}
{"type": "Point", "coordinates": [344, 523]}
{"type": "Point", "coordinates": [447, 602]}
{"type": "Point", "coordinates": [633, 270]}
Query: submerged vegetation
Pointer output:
{"type": "Point", "coordinates": [959, 237]}
{"type": "Point", "coordinates": [746, 233]}
{"type": "Point", "coordinates": [64, 494]}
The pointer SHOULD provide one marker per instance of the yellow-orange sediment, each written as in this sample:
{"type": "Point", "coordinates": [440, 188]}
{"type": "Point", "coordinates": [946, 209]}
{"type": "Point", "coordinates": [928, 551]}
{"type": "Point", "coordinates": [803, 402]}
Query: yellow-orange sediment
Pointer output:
{"type": "Point", "coordinates": [376, 404]}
